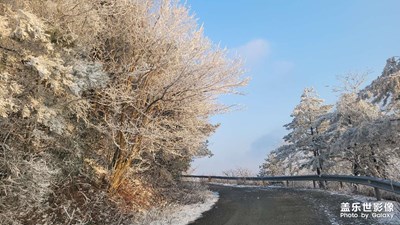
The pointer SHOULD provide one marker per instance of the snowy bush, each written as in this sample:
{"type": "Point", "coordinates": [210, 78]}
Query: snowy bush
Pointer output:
{"type": "Point", "coordinates": [113, 94]}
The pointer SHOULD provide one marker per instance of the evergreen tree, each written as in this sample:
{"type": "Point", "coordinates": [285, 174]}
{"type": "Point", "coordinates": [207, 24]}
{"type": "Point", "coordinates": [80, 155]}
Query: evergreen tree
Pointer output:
{"type": "Point", "coordinates": [306, 130]}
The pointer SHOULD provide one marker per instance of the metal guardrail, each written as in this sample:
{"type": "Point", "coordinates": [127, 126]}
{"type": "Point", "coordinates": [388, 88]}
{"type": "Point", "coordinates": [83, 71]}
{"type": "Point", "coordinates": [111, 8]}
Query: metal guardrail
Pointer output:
{"type": "Point", "coordinates": [376, 183]}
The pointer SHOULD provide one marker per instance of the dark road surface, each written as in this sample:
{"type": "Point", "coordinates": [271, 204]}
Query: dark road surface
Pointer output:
{"type": "Point", "coordinates": [276, 206]}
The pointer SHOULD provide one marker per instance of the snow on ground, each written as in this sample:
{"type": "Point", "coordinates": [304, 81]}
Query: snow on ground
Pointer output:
{"type": "Point", "coordinates": [387, 221]}
{"type": "Point", "coordinates": [180, 214]}
{"type": "Point", "coordinates": [235, 185]}
{"type": "Point", "coordinates": [362, 199]}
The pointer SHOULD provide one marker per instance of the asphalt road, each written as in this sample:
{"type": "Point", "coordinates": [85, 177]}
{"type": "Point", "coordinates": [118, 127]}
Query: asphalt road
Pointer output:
{"type": "Point", "coordinates": [277, 206]}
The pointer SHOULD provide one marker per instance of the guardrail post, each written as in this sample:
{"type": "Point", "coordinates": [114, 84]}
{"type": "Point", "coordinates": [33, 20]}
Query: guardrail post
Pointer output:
{"type": "Point", "coordinates": [209, 179]}
{"type": "Point", "coordinates": [313, 182]}
{"type": "Point", "coordinates": [321, 184]}
{"type": "Point", "coordinates": [287, 183]}
{"type": "Point", "coordinates": [355, 187]}
{"type": "Point", "coordinates": [341, 185]}
{"type": "Point", "coordinates": [377, 194]}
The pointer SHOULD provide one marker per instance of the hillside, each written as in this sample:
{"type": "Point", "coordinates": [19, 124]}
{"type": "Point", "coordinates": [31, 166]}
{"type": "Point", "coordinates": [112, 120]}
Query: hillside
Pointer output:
{"type": "Point", "coordinates": [103, 104]}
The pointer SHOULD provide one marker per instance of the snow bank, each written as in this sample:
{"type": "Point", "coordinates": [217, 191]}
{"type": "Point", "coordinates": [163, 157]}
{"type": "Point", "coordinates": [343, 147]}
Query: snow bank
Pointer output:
{"type": "Point", "coordinates": [180, 214]}
{"type": "Point", "coordinates": [236, 185]}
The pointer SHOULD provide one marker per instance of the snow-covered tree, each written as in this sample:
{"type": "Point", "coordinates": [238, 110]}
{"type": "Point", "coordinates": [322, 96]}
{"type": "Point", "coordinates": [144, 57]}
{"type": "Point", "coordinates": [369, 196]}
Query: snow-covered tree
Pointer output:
{"type": "Point", "coordinates": [353, 126]}
{"type": "Point", "coordinates": [360, 136]}
{"type": "Point", "coordinates": [119, 89]}
{"type": "Point", "coordinates": [306, 129]}
{"type": "Point", "coordinates": [385, 90]}
{"type": "Point", "coordinates": [272, 165]}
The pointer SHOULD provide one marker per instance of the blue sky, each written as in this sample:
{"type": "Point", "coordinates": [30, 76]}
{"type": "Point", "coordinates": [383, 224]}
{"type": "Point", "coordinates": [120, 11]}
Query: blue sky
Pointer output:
{"type": "Point", "coordinates": [289, 45]}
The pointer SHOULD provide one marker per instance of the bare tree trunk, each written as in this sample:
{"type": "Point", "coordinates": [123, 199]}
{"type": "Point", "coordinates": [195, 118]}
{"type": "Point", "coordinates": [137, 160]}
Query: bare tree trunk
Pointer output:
{"type": "Point", "coordinates": [122, 166]}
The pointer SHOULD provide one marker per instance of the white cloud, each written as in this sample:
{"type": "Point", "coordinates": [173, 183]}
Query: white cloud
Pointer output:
{"type": "Point", "coordinates": [254, 52]}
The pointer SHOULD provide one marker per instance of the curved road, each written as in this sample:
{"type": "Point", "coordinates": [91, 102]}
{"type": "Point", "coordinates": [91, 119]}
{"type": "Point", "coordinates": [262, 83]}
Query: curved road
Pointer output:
{"type": "Point", "coordinates": [277, 206]}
